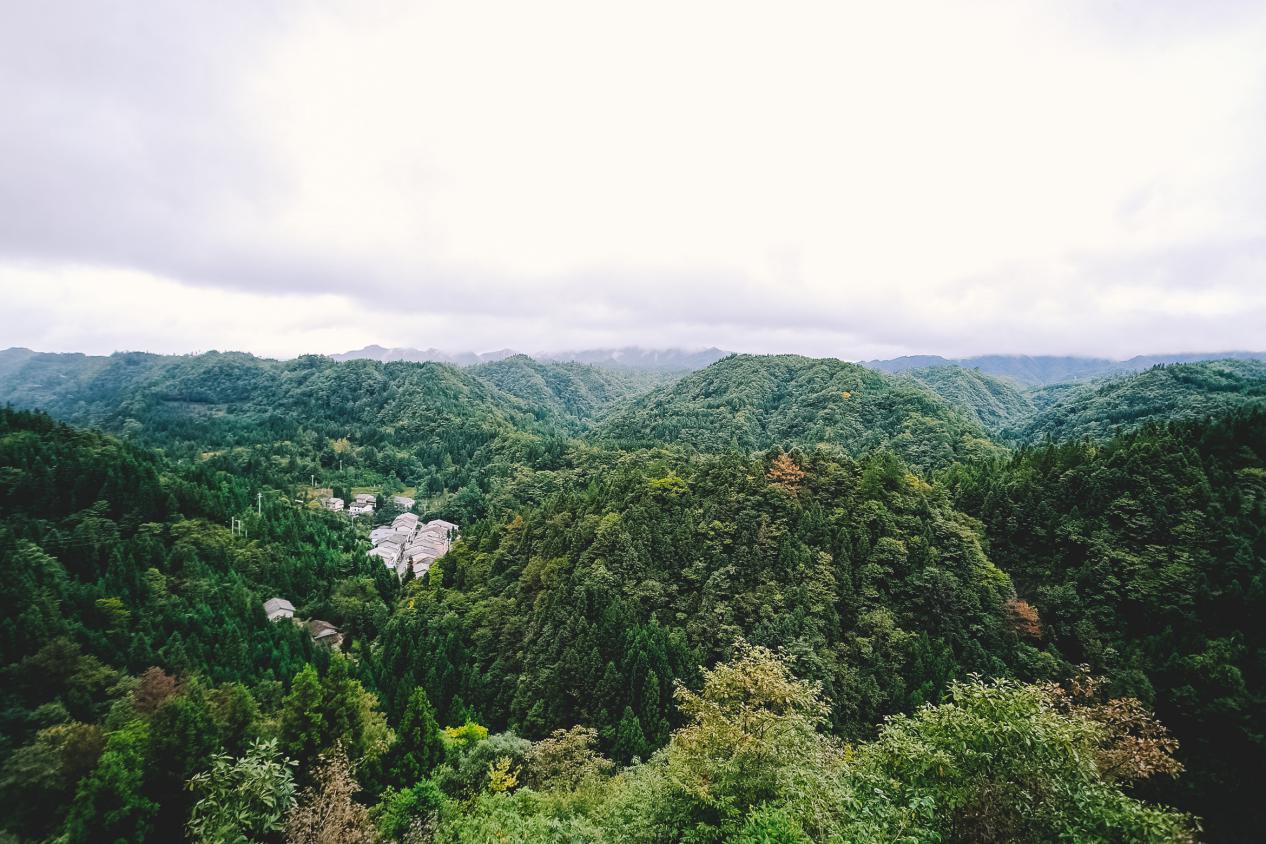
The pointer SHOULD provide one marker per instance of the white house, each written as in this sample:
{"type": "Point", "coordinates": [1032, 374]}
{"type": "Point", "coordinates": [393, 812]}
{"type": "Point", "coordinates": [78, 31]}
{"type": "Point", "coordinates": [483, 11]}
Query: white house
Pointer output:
{"type": "Point", "coordinates": [388, 555]}
{"type": "Point", "coordinates": [335, 504]}
{"type": "Point", "coordinates": [278, 608]}
{"type": "Point", "coordinates": [360, 509]}
{"type": "Point", "coordinates": [405, 521]}
{"type": "Point", "coordinates": [422, 565]}
{"type": "Point", "coordinates": [366, 498]}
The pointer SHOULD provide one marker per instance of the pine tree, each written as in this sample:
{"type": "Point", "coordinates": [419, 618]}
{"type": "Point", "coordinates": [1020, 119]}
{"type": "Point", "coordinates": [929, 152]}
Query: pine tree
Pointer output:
{"type": "Point", "coordinates": [418, 747]}
{"type": "Point", "coordinates": [630, 741]}
{"type": "Point", "coordinates": [301, 719]}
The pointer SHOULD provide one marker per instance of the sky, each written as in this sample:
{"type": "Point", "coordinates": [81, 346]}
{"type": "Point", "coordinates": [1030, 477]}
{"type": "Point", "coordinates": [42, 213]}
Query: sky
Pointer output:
{"type": "Point", "coordinates": [848, 179]}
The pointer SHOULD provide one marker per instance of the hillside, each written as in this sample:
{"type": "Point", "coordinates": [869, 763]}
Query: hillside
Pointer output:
{"type": "Point", "coordinates": [112, 562]}
{"type": "Point", "coordinates": [1145, 555]}
{"type": "Point", "coordinates": [566, 390]}
{"type": "Point", "coordinates": [994, 403]}
{"type": "Point", "coordinates": [1161, 394]}
{"type": "Point", "coordinates": [751, 403]}
{"type": "Point", "coordinates": [1044, 370]}
{"type": "Point", "coordinates": [426, 425]}
{"type": "Point", "coordinates": [658, 564]}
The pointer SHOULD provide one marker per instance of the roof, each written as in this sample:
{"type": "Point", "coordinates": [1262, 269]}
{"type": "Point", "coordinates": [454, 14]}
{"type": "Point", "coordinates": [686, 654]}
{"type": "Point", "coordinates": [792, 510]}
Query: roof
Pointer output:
{"type": "Point", "coordinates": [440, 523]}
{"type": "Point", "coordinates": [319, 629]}
{"type": "Point", "coordinates": [272, 605]}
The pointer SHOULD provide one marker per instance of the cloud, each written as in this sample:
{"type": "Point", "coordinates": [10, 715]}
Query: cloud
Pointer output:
{"type": "Point", "coordinates": [833, 178]}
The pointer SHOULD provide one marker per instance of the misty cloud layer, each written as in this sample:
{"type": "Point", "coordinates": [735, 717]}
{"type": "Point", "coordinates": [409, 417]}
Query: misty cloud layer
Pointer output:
{"type": "Point", "coordinates": [853, 179]}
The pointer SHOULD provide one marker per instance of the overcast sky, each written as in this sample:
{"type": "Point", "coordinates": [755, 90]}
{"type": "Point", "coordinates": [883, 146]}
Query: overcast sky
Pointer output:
{"type": "Point", "coordinates": [848, 179]}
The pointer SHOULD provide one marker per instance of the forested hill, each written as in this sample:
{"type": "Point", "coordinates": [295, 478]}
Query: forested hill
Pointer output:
{"type": "Point", "coordinates": [566, 390]}
{"type": "Point", "coordinates": [1163, 393]}
{"type": "Point", "coordinates": [1146, 558]}
{"type": "Point", "coordinates": [751, 403]}
{"type": "Point", "coordinates": [430, 426]}
{"type": "Point", "coordinates": [992, 402]}
{"type": "Point", "coordinates": [661, 562]}
{"type": "Point", "coordinates": [111, 563]}
{"type": "Point", "coordinates": [1044, 370]}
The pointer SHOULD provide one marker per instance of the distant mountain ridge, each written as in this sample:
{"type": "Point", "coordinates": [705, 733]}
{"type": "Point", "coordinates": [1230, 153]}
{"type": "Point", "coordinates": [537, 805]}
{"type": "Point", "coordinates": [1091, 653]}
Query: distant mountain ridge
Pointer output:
{"type": "Point", "coordinates": [1041, 370]}
{"type": "Point", "coordinates": [432, 355]}
{"type": "Point", "coordinates": [625, 357]}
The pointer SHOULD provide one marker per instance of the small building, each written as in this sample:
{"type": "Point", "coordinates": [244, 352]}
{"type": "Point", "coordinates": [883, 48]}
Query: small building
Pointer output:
{"type": "Point", "coordinates": [360, 509]}
{"type": "Point", "coordinates": [324, 633]}
{"type": "Point", "coordinates": [404, 502]}
{"type": "Point", "coordinates": [440, 524]}
{"type": "Point", "coordinates": [335, 504]}
{"type": "Point", "coordinates": [279, 608]}
{"type": "Point", "coordinates": [366, 498]}
{"type": "Point", "coordinates": [405, 521]}
{"type": "Point", "coordinates": [388, 555]}
{"type": "Point", "coordinates": [381, 533]}
{"type": "Point", "coordinates": [421, 566]}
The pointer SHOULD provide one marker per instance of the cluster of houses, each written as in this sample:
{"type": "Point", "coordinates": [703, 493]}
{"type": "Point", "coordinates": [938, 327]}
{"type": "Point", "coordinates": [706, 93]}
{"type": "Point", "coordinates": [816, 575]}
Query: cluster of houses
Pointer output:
{"type": "Point", "coordinates": [322, 632]}
{"type": "Point", "coordinates": [407, 543]}
{"type": "Point", "coordinates": [364, 503]}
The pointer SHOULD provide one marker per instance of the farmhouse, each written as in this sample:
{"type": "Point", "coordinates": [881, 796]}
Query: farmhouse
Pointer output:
{"type": "Point", "coordinates": [278, 608]}
{"type": "Point", "coordinates": [324, 633]}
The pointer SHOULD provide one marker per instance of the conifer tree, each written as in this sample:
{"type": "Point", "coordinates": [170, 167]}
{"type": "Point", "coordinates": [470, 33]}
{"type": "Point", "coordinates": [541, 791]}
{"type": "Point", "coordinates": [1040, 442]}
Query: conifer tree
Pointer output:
{"type": "Point", "coordinates": [418, 747]}
{"type": "Point", "coordinates": [630, 741]}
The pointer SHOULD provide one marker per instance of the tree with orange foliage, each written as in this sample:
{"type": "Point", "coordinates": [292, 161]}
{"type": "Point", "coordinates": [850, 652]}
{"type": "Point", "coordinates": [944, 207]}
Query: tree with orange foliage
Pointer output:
{"type": "Point", "coordinates": [785, 473]}
{"type": "Point", "coordinates": [1024, 618]}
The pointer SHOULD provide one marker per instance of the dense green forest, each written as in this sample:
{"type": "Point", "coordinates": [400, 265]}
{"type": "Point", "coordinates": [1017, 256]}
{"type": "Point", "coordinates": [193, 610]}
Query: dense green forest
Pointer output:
{"type": "Point", "coordinates": [750, 403]}
{"type": "Point", "coordinates": [432, 427]}
{"type": "Point", "coordinates": [1161, 394]}
{"type": "Point", "coordinates": [994, 403]}
{"type": "Point", "coordinates": [1144, 556]}
{"type": "Point", "coordinates": [777, 600]}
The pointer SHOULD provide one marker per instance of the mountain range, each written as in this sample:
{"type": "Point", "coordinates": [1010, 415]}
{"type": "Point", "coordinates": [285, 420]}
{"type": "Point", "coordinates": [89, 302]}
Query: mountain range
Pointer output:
{"type": "Point", "coordinates": [1026, 370]}
{"type": "Point", "coordinates": [626, 357]}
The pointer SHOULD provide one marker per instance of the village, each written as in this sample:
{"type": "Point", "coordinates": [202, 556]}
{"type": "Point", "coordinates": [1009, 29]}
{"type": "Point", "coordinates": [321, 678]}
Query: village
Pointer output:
{"type": "Point", "coordinates": [407, 544]}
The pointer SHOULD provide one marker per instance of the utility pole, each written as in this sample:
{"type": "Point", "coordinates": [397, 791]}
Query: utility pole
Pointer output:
{"type": "Point", "coordinates": [259, 504]}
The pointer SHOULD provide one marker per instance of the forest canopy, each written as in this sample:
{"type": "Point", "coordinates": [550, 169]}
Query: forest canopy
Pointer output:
{"type": "Point", "coordinates": [776, 599]}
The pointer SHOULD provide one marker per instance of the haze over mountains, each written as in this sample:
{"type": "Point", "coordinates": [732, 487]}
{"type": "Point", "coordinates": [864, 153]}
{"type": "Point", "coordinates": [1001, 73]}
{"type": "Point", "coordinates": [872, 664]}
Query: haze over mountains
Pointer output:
{"type": "Point", "coordinates": [627, 357]}
{"type": "Point", "coordinates": [1028, 370]}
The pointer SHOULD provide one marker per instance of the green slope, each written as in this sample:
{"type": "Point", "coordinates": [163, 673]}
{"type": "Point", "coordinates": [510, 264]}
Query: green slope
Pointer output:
{"type": "Point", "coordinates": [566, 390]}
{"type": "Point", "coordinates": [1146, 558]}
{"type": "Point", "coordinates": [994, 403]}
{"type": "Point", "coordinates": [750, 403]}
{"type": "Point", "coordinates": [1161, 394]}
{"type": "Point", "coordinates": [428, 425]}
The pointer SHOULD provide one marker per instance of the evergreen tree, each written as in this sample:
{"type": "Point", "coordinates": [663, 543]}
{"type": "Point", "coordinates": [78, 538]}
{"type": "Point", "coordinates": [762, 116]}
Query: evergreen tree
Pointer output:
{"type": "Point", "coordinates": [110, 804]}
{"type": "Point", "coordinates": [418, 747]}
{"type": "Point", "coordinates": [302, 723]}
{"type": "Point", "coordinates": [630, 741]}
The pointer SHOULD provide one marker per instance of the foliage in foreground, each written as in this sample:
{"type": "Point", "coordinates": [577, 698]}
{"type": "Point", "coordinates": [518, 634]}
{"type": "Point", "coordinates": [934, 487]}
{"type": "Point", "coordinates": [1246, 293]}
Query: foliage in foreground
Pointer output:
{"type": "Point", "coordinates": [998, 761]}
